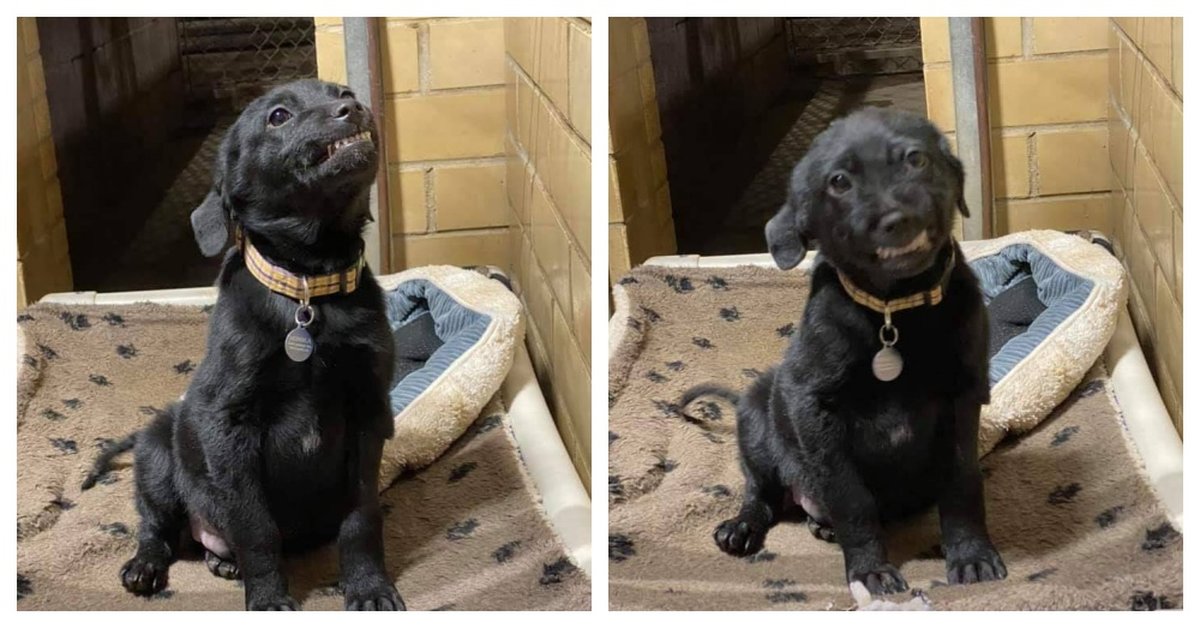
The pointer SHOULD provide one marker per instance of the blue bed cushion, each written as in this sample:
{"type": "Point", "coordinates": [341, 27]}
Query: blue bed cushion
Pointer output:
{"type": "Point", "coordinates": [458, 327]}
{"type": "Point", "coordinates": [1062, 293]}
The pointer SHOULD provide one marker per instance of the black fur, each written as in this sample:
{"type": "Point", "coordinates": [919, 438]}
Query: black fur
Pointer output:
{"type": "Point", "coordinates": [276, 455]}
{"type": "Point", "coordinates": [820, 429]}
{"type": "Point", "coordinates": [104, 460]}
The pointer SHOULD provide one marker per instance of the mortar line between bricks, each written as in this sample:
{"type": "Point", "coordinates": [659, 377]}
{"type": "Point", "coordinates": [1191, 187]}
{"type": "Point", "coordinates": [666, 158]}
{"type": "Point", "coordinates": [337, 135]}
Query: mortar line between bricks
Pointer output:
{"type": "Point", "coordinates": [574, 134]}
{"type": "Point", "coordinates": [410, 166]}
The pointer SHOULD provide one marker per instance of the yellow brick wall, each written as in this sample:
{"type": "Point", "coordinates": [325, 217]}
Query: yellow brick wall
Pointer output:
{"type": "Point", "coordinates": [548, 176]}
{"type": "Point", "coordinates": [443, 81]}
{"type": "Point", "coordinates": [1144, 102]}
{"type": "Point", "coordinates": [1047, 93]}
{"type": "Point", "coordinates": [43, 263]}
{"type": "Point", "coordinates": [640, 223]}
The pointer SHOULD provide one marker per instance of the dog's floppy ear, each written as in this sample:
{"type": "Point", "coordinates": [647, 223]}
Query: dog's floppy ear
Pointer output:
{"type": "Point", "coordinates": [956, 168]}
{"type": "Point", "coordinates": [787, 233]}
{"type": "Point", "coordinates": [211, 224]}
{"type": "Point", "coordinates": [210, 220]}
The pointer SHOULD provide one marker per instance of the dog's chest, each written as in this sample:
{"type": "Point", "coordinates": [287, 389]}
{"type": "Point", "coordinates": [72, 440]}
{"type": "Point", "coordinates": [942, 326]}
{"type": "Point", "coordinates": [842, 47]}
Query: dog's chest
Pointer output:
{"type": "Point", "coordinates": [890, 419]}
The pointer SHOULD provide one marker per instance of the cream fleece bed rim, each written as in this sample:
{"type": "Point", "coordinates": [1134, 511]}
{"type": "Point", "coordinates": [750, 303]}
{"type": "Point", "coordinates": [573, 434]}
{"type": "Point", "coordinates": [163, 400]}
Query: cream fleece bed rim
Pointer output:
{"type": "Point", "coordinates": [560, 491]}
{"type": "Point", "coordinates": [1145, 415]}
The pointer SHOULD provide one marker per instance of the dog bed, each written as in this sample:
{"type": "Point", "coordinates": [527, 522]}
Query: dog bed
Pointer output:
{"type": "Point", "coordinates": [1077, 522]}
{"type": "Point", "coordinates": [1053, 299]}
{"type": "Point", "coordinates": [455, 332]}
{"type": "Point", "coordinates": [468, 531]}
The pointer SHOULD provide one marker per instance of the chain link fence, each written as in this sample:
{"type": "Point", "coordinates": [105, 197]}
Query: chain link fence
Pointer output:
{"type": "Point", "coordinates": [228, 61]}
{"type": "Point", "coordinates": [846, 46]}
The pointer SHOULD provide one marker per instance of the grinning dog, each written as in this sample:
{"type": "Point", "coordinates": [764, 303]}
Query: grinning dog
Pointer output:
{"type": "Point", "coordinates": [872, 416]}
{"type": "Point", "coordinates": [276, 445]}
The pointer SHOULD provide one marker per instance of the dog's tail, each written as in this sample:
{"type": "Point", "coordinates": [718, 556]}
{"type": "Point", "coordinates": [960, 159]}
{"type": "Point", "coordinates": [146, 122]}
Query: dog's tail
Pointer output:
{"type": "Point", "coordinates": [705, 390]}
{"type": "Point", "coordinates": [101, 465]}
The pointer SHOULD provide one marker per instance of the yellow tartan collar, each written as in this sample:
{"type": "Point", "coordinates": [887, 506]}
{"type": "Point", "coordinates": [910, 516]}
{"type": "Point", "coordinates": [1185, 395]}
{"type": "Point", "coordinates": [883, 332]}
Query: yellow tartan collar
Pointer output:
{"type": "Point", "coordinates": [289, 284]}
{"type": "Point", "coordinates": [933, 296]}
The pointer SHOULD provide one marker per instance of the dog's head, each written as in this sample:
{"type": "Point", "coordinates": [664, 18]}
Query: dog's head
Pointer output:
{"type": "Point", "coordinates": [292, 166]}
{"type": "Point", "coordinates": [877, 190]}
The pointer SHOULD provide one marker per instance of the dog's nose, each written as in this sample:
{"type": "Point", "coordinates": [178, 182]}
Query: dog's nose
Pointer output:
{"type": "Point", "coordinates": [893, 221]}
{"type": "Point", "coordinates": [343, 109]}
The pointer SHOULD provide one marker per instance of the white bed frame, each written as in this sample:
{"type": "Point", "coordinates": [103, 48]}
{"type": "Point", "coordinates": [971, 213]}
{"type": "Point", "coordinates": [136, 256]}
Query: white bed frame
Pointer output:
{"type": "Point", "coordinates": [561, 492]}
{"type": "Point", "coordinates": [1149, 424]}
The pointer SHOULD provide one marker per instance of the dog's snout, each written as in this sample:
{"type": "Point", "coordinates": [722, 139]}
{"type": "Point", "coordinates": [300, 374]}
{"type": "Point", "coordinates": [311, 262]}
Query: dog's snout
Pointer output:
{"type": "Point", "coordinates": [343, 110]}
{"type": "Point", "coordinates": [893, 222]}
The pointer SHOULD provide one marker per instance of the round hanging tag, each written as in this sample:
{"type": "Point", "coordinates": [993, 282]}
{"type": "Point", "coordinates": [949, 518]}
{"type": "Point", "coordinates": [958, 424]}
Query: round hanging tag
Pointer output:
{"type": "Point", "coordinates": [887, 364]}
{"type": "Point", "coordinates": [298, 345]}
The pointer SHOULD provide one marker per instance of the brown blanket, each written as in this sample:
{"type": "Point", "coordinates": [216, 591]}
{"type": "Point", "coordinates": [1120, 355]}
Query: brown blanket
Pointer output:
{"type": "Point", "coordinates": [1068, 507]}
{"type": "Point", "coordinates": [466, 532]}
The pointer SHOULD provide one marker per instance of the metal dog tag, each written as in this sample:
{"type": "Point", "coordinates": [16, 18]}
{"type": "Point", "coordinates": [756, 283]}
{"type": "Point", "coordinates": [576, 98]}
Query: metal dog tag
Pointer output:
{"type": "Point", "coordinates": [298, 345]}
{"type": "Point", "coordinates": [887, 364]}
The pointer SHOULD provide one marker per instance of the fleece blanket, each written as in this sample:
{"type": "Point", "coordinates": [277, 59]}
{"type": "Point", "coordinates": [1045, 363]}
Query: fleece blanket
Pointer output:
{"type": "Point", "coordinates": [466, 532]}
{"type": "Point", "coordinates": [1068, 507]}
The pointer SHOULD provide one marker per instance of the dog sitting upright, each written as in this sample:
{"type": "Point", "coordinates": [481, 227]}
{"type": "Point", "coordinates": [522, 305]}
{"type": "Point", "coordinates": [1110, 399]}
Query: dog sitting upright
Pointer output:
{"type": "Point", "coordinates": [873, 415]}
{"type": "Point", "coordinates": [277, 443]}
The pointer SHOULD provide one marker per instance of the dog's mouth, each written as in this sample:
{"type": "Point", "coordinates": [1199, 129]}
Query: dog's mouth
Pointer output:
{"type": "Point", "coordinates": [919, 244]}
{"type": "Point", "coordinates": [347, 144]}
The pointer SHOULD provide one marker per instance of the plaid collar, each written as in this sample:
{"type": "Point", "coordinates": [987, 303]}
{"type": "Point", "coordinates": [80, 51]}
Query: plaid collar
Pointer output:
{"type": "Point", "coordinates": [298, 287]}
{"type": "Point", "coordinates": [933, 296]}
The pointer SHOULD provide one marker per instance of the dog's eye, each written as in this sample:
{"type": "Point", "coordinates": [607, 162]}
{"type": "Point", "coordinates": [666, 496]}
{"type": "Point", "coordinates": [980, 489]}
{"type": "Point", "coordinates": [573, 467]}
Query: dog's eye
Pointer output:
{"type": "Point", "coordinates": [916, 159]}
{"type": "Point", "coordinates": [839, 183]}
{"type": "Point", "coordinates": [279, 116]}
{"type": "Point", "coordinates": [346, 94]}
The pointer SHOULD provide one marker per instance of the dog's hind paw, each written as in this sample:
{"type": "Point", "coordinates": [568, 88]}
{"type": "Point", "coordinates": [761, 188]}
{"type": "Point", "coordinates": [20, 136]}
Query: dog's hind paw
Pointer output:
{"type": "Point", "coordinates": [881, 580]}
{"type": "Point", "coordinates": [739, 537]}
{"type": "Point", "coordinates": [821, 531]}
{"type": "Point", "coordinates": [382, 597]}
{"type": "Point", "coordinates": [221, 567]}
{"type": "Point", "coordinates": [142, 576]}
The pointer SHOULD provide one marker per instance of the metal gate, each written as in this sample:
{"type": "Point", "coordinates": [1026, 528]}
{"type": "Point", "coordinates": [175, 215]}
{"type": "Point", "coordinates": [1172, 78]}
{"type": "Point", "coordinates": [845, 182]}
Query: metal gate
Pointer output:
{"type": "Point", "coordinates": [228, 61]}
{"type": "Point", "coordinates": [844, 46]}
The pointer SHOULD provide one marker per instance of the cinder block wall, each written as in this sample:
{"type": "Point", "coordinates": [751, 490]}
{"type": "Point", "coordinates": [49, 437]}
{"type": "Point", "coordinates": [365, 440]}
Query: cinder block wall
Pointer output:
{"type": "Point", "coordinates": [43, 263]}
{"type": "Point", "coordinates": [1047, 91]}
{"type": "Point", "coordinates": [1145, 115]}
{"type": "Point", "coordinates": [443, 80]}
{"type": "Point", "coordinates": [489, 140]}
{"type": "Point", "coordinates": [548, 148]}
{"type": "Point", "coordinates": [640, 223]}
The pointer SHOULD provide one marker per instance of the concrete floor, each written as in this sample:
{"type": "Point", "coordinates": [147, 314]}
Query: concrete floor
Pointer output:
{"type": "Point", "coordinates": [783, 137]}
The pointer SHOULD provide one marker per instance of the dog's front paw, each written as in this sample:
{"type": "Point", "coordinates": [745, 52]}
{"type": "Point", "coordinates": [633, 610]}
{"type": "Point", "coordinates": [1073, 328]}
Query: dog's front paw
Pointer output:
{"type": "Point", "coordinates": [739, 537]}
{"type": "Point", "coordinates": [981, 563]}
{"type": "Point", "coordinates": [880, 580]}
{"type": "Point", "coordinates": [143, 576]}
{"type": "Point", "coordinates": [378, 597]}
{"type": "Point", "coordinates": [272, 603]}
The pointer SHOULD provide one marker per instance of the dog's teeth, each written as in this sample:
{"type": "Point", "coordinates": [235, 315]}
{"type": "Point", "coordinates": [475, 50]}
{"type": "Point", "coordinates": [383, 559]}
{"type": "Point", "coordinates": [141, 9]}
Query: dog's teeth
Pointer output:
{"type": "Point", "coordinates": [919, 242]}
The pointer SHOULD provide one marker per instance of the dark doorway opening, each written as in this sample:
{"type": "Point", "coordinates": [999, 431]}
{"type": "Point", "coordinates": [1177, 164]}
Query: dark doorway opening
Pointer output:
{"type": "Point", "coordinates": [138, 107]}
{"type": "Point", "coordinates": [741, 99]}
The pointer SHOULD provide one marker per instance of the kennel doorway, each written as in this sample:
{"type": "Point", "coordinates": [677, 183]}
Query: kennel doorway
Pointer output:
{"type": "Point", "coordinates": [741, 99]}
{"type": "Point", "coordinates": [137, 109]}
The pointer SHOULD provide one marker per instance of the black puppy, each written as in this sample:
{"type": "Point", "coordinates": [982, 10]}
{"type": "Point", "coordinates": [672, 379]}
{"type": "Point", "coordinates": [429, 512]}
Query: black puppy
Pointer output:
{"type": "Point", "coordinates": [834, 434]}
{"type": "Point", "coordinates": [272, 450]}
